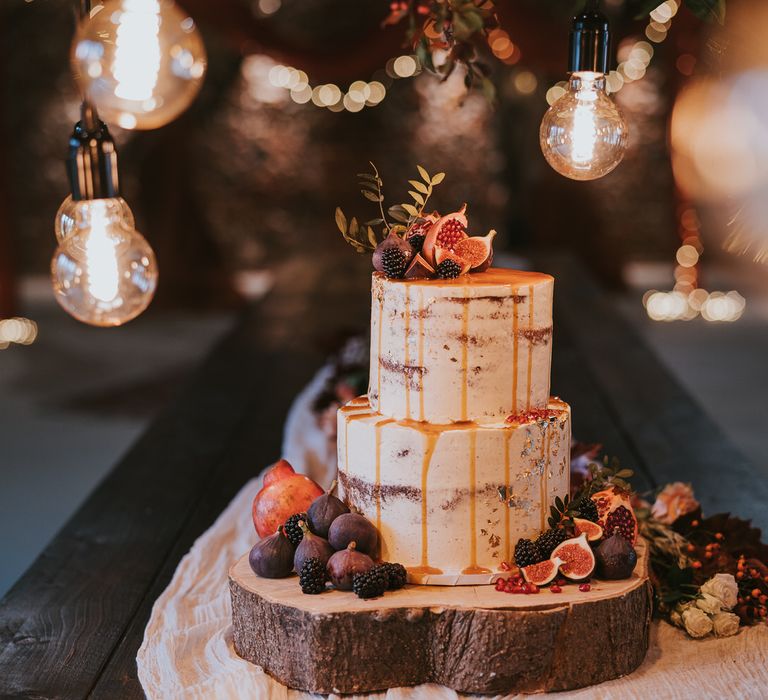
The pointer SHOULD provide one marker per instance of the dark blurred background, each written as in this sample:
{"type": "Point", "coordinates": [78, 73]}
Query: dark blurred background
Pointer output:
{"type": "Point", "coordinates": [237, 197]}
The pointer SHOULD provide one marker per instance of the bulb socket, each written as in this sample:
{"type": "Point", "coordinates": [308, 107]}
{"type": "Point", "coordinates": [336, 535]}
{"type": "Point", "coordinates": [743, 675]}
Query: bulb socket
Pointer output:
{"type": "Point", "coordinates": [590, 42]}
{"type": "Point", "coordinates": [92, 159]}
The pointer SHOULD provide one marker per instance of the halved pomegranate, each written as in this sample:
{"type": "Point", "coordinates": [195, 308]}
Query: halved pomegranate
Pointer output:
{"type": "Point", "coordinates": [446, 232]}
{"type": "Point", "coordinates": [614, 510]}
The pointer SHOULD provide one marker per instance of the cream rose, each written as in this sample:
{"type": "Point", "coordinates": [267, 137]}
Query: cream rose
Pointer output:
{"type": "Point", "coordinates": [697, 623]}
{"type": "Point", "coordinates": [724, 588]}
{"type": "Point", "coordinates": [673, 501]}
{"type": "Point", "coordinates": [725, 624]}
{"type": "Point", "coordinates": [709, 604]}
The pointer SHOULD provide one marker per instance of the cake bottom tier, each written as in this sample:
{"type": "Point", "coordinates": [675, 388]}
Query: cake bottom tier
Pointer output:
{"type": "Point", "coordinates": [451, 501]}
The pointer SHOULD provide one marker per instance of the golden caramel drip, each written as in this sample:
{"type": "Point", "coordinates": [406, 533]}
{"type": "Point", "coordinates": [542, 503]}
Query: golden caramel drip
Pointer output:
{"type": "Point", "coordinates": [515, 344]}
{"type": "Point", "coordinates": [464, 359]}
{"type": "Point", "coordinates": [421, 354]}
{"type": "Point", "coordinates": [423, 570]}
{"type": "Point", "coordinates": [546, 444]}
{"type": "Point", "coordinates": [429, 449]}
{"type": "Point", "coordinates": [378, 353]}
{"type": "Point", "coordinates": [406, 361]}
{"type": "Point", "coordinates": [499, 276]}
{"type": "Point", "coordinates": [377, 430]}
{"type": "Point", "coordinates": [530, 346]}
{"type": "Point", "coordinates": [475, 570]}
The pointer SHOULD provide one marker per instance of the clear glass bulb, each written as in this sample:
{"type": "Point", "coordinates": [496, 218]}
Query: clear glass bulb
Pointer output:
{"type": "Point", "coordinates": [64, 223]}
{"type": "Point", "coordinates": [104, 272]}
{"type": "Point", "coordinates": [583, 135]}
{"type": "Point", "coordinates": [141, 62]}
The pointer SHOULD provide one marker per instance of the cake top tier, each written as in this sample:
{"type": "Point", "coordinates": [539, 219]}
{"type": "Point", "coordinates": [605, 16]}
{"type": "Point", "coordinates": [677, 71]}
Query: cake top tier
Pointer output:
{"type": "Point", "coordinates": [477, 347]}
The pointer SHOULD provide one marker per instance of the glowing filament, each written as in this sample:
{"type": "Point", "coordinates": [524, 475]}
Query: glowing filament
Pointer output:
{"type": "Point", "coordinates": [137, 49]}
{"type": "Point", "coordinates": [584, 133]}
{"type": "Point", "coordinates": [101, 256]}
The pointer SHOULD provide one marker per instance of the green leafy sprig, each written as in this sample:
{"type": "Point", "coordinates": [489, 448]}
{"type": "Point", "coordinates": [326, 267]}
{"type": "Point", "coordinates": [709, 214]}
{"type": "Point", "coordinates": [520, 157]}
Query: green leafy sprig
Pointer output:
{"type": "Point", "coordinates": [362, 237]}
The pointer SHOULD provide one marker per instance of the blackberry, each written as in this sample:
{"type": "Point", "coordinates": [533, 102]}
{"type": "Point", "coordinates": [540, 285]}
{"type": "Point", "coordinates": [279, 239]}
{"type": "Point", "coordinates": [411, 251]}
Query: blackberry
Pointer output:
{"type": "Point", "coordinates": [417, 242]}
{"type": "Point", "coordinates": [547, 541]}
{"type": "Point", "coordinates": [527, 553]}
{"type": "Point", "coordinates": [312, 576]}
{"type": "Point", "coordinates": [396, 575]}
{"type": "Point", "coordinates": [370, 584]}
{"type": "Point", "coordinates": [292, 530]}
{"type": "Point", "coordinates": [394, 262]}
{"type": "Point", "coordinates": [587, 509]}
{"type": "Point", "coordinates": [448, 269]}
{"type": "Point", "coordinates": [622, 521]}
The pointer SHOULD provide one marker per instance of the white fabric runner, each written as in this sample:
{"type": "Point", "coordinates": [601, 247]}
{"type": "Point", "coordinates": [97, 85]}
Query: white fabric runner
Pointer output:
{"type": "Point", "coordinates": [187, 649]}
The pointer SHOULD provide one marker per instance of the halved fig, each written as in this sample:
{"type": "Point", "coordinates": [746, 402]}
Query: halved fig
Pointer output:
{"type": "Point", "coordinates": [592, 530]}
{"type": "Point", "coordinates": [447, 254]}
{"type": "Point", "coordinates": [476, 250]}
{"type": "Point", "coordinates": [576, 556]}
{"type": "Point", "coordinates": [541, 573]}
{"type": "Point", "coordinates": [446, 232]}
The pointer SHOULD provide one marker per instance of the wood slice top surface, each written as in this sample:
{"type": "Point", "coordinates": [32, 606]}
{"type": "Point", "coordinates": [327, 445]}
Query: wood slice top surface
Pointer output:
{"type": "Point", "coordinates": [286, 591]}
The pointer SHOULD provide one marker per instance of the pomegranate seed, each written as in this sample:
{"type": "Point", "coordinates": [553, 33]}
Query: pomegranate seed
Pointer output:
{"type": "Point", "coordinates": [584, 587]}
{"type": "Point", "coordinates": [518, 580]}
{"type": "Point", "coordinates": [500, 584]}
{"type": "Point", "coordinates": [560, 582]}
{"type": "Point", "coordinates": [533, 588]}
{"type": "Point", "coordinates": [505, 566]}
{"type": "Point", "coordinates": [555, 588]}
{"type": "Point", "coordinates": [518, 589]}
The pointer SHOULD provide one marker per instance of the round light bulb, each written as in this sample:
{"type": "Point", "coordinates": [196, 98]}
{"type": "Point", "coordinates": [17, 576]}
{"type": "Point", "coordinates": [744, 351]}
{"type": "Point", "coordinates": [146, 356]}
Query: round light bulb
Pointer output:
{"type": "Point", "coordinates": [141, 62]}
{"type": "Point", "coordinates": [64, 223]}
{"type": "Point", "coordinates": [583, 135]}
{"type": "Point", "coordinates": [104, 272]}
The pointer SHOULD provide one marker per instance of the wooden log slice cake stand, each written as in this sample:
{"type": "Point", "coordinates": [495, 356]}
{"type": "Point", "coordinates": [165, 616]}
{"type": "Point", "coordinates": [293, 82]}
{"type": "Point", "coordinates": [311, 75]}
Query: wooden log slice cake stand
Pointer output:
{"type": "Point", "coordinates": [473, 639]}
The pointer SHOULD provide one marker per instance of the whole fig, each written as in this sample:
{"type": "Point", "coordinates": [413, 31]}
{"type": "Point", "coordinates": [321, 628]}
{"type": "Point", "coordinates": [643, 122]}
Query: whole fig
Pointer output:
{"type": "Point", "coordinates": [353, 527]}
{"type": "Point", "coordinates": [272, 557]}
{"type": "Point", "coordinates": [311, 546]}
{"type": "Point", "coordinates": [344, 564]}
{"type": "Point", "coordinates": [324, 511]}
{"type": "Point", "coordinates": [616, 558]}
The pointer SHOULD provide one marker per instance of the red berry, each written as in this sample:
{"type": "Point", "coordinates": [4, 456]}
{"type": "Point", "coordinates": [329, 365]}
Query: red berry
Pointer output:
{"type": "Point", "coordinates": [518, 589]}
{"type": "Point", "coordinates": [533, 588]}
{"type": "Point", "coordinates": [555, 588]}
{"type": "Point", "coordinates": [584, 587]}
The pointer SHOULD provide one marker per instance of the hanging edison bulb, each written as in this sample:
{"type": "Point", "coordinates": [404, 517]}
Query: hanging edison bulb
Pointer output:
{"type": "Point", "coordinates": [66, 216]}
{"type": "Point", "coordinates": [141, 62]}
{"type": "Point", "coordinates": [583, 135]}
{"type": "Point", "coordinates": [103, 272]}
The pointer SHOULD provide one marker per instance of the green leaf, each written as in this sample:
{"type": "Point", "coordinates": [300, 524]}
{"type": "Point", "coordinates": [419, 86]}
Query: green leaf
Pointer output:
{"type": "Point", "coordinates": [341, 220]}
{"type": "Point", "coordinates": [369, 177]}
{"type": "Point", "coordinates": [420, 186]}
{"type": "Point", "coordinates": [398, 213]}
{"type": "Point", "coordinates": [372, 196]}
{"type": "Point", "coordinates": [708, 10]}
{"type": "Point", "coordinates": [372, 237]}
{"type": "Point", "coordinates": [424, 174]}
{"type": "Point", "coordinates": [416, 197]}
{"type": "Point", "coordinates": [437, 179]}
{"type": "Point", "coordinates": [413, 211]}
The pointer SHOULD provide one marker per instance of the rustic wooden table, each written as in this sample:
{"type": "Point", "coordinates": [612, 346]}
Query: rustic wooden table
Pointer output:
{"type": "Point", "coordinates": [71, 626]}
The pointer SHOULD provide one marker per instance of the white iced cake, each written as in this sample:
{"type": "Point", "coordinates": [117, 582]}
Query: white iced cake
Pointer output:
{"type": "Point", "coordinates": [458, 450]}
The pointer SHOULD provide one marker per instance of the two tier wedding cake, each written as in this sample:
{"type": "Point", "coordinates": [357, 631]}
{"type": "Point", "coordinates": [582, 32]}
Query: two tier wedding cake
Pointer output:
{"type": "Point", "coordinates": [458, 450]}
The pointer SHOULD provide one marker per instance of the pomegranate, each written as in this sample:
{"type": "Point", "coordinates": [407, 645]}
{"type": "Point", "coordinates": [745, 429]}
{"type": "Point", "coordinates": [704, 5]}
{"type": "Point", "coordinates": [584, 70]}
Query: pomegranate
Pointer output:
{"type": "Point", "coordinates": [578, 561]}
{"type": "Point", "coordinates": [446, 232]}
{"type": "Point", "coordinates": [614, 509]}
{"type": "Point", "coordinates": [286, 493]}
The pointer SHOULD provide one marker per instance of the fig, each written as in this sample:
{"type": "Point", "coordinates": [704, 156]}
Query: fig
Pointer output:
{"type": "Point", "coordinates": [446, 232]}
{"type": "Point", "coordinates": [614, 509]}
{"type": "Point", "coordinates": [272, 557]}
{"type": "Point", "coordinates": [285, 494]}
{"type": "Point", "coordinates": [577, 559]}
{"type": "Point", "coordinates": [345, 563]}
{"type": "Point", "coordinates": [324, 510]}
{"type": "Point", "coordinates": [475, 251]}
{"type": "Point", "coordinates": [592, 530]}
{"type": "Point", "coordinates": [419, 268]}
{"type": "Point", "coordinates": [616, 558]}
{"type": "Point", "coordinates": [442, 254]}
{"type": "Point", "coordinates": [353, 527]}
{"type": "Point", "coordinates": [392, 241]}
{"type": "Point", "coordinates": [311, 546]}
{"type": "Point", "coordinates": [541, 573]}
